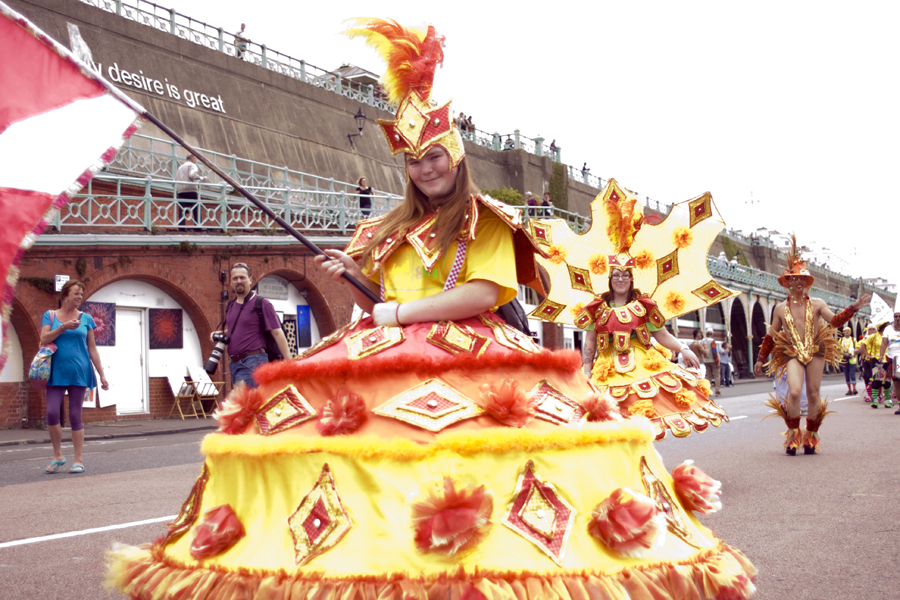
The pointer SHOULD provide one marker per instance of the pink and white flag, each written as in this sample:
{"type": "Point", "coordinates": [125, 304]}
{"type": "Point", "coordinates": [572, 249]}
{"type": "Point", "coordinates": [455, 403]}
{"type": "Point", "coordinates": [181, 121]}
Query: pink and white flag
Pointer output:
{"type": "Point", "coordinates": [60, 122]}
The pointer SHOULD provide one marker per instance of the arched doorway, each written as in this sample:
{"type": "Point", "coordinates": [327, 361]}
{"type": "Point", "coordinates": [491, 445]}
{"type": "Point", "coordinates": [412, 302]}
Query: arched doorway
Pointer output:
{"type": "Point", "coordinates": [758, 327]}
{"type": "Point", "coordinates": [739, 339]}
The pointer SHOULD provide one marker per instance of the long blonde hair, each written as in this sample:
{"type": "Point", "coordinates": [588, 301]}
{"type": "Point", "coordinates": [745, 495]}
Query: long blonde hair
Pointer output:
{"type": "Point", "coordinates": [450, 218]}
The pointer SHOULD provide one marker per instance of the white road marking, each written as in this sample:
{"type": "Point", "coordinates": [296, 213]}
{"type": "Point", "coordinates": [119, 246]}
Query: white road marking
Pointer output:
{"type": "Point", "coordinates": [736, 418]}
{"type": "Point", "coordinates": [57, 536]}
{"type": "Point", "coordinates": [43, 447]}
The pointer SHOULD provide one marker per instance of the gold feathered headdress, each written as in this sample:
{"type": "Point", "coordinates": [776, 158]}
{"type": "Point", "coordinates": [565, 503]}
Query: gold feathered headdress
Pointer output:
{"type": "Point", "coordinates": [411, 57]}
{"type": "Point", "coordinates": [796, 266]}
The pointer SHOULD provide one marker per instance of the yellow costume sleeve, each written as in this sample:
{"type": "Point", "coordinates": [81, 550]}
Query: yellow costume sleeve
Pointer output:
{"type": "Point", "coordinates": [491, 256]}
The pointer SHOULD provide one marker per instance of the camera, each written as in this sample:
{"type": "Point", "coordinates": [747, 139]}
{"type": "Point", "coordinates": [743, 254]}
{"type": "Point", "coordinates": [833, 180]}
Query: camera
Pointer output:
{"type": "Point", "coordinates": [212, 363]}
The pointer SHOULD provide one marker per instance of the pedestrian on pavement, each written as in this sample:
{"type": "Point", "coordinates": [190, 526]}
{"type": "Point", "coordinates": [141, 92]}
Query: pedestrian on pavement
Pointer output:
{"type": "Point", "coordinates": [800, 348]}
{"type": "Point", "coordinates": [725, 364]}
{"type": "Point", "coordinates": [186, 179]}
{"type": "Point", "coordinates": [246, 333]}
{"type": "Point", "coordinates": [72, 331]}
{"type": "Point", "coordinates": [889, 352]}
{"type": "Point", "coordinates": [548, 205]}
{"type": "Point", "coordinates": [868, 356]}
{"type": "Point", "coordinates": [710, 360]}
{"type": "Point", "coordinates": [848, 360]}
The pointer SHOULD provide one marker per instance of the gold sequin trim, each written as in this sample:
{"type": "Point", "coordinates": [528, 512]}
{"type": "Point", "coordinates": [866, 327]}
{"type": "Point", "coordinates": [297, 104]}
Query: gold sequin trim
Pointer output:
{"type": "Point", "coordinates": [285, 409]}
{"type": "Point", "coordinates": [320, 520]}
{"type": "Point", "coordinates": [455, 338]}
{"type": "Point", "coordinates": [657, 490]}
{"type": "Point", "coordinates": [331, 340]}
{"type": "Point", "coordinates": [510, 337]}
{"type": "Point", "coordinates": [187, 516]}
{"type": "Point", "coordinates": [554, 406]}
{"type": "Point", "coordinates": [432, 405]}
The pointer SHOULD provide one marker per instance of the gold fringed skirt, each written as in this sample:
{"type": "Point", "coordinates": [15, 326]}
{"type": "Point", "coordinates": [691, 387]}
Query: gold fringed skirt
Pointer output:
{"type": "Point", "coordinates": [825, 344]}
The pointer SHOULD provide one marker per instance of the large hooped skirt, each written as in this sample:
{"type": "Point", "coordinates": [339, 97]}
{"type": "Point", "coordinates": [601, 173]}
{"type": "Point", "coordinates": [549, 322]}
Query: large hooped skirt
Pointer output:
{"type": "Point", "coordinates": [431, 497]}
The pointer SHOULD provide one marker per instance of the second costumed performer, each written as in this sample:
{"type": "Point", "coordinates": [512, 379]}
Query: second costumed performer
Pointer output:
{"type": "Point", "coordinates": [429, 450]}
{"type": "Point", "coordinates": [800, 346]}
{"type": "Point", "coordinates": [597, 279]}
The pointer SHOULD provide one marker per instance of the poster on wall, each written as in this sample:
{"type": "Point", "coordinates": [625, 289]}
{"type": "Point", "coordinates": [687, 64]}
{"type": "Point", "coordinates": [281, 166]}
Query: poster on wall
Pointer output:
{"type": "Point", "coordinates": [104, 314]}
{"type": "Point", "coordinates": [304, 327]}
{"type": "Point", "coordinates": [166, 328]}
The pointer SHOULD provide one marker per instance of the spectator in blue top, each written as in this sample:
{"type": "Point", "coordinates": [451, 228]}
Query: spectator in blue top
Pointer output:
{"type": "Point", "coordinates": [73, 333]}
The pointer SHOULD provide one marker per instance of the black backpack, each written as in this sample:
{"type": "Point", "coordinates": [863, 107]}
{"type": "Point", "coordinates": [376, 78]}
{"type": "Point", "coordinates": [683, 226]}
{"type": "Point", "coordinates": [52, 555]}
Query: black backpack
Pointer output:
{"type": "Point", "coordinates": [272, 350]}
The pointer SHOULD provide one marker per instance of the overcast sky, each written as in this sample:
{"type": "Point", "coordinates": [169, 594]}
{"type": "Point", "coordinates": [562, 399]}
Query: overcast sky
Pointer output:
{"type": "Point", "coordinates": [792, 104]}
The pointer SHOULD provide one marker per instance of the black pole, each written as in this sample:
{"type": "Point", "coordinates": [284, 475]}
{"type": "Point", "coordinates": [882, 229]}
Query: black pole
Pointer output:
{"type": "Point", "coordinates": [259, 204]}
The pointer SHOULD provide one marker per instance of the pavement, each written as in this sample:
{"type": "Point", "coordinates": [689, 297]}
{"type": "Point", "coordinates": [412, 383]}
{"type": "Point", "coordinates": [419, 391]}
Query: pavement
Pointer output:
{"type": "Point", "coordinates": [111, 429]}
{"type": "Point", "coordinates": [143, 427]}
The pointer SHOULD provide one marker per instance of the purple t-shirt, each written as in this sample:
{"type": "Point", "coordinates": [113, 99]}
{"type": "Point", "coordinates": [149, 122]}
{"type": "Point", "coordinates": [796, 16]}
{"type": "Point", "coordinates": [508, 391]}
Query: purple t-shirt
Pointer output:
{"type": "Point", "coordinates": [246, 332]}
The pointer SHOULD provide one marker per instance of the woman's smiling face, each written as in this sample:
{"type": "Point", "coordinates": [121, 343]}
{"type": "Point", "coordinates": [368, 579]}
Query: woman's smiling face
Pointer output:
{"type": "Point", "coordinates": [432, 173]}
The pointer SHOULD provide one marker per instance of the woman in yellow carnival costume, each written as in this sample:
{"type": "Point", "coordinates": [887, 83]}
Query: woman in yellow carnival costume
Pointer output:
{"type": "Point", "coordinates": [627, 350]}
{"type": "Point", "coordinates": [633, 364]}
{"type": "Point", "coordinates": [429, 450]}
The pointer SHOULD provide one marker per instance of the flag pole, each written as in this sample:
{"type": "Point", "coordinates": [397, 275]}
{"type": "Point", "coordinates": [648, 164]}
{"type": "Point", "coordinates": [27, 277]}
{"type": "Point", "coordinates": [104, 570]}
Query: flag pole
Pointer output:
{"type": "Point", "coordinates": [256, 201]}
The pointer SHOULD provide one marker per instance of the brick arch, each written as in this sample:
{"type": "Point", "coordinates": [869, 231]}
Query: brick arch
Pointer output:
{"type": "Point", "coordinates": [174, 282]}
{"type": "Point", "coordinates": [28, 329]}
{"type": "Point", "coordinates": [319, 307]}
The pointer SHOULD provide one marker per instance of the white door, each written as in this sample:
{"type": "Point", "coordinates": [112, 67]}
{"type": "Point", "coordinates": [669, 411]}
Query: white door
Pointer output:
{"type": "Point", "coordinates": [125, 367]}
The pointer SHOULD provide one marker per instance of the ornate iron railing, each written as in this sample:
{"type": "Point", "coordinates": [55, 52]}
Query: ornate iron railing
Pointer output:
{"type": "Point", "coordinates": [158, 159]}
{"type": "Point", "coordinates": [763, 280]}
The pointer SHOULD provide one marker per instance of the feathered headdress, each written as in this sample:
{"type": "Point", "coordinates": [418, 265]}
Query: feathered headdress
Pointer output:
{"type": "Point", "coordinates": [667, 258]}
{"type": "Point", "coordinates": [411, 57]}
{"type": "Point", "coordinates": [621, 225]}
{"type": "Point", "coordinates": [796, 266]}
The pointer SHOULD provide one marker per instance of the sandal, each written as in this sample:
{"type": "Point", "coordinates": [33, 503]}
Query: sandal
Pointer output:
{"type": "Point", "coordinates": [55, 465]}
{"type": "Point", "coordinates": [77, 468]}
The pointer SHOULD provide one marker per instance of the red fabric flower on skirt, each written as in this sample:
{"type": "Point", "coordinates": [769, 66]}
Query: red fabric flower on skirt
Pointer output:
{"type": "Point", "coordinates": [629, 523]}
{"type": "Point", "coordinates": [698, 491]}
{"type": "Point", "coordinates": [220, 530]}
{"type": "Point", "coordinates": [509, 405]}
{"type": "Point", "coordinates": [600, 408]}
{"type": "Point", "coordinates": [238, 409]}
{"type": "Point", "coordinates": [450, 519]}
{"type": "Point", "coordinates": [345, 414]}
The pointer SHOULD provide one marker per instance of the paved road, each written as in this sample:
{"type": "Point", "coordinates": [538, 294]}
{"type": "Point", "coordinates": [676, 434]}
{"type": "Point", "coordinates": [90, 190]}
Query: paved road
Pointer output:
{"type": "Point", "coordinates": [817, 527]}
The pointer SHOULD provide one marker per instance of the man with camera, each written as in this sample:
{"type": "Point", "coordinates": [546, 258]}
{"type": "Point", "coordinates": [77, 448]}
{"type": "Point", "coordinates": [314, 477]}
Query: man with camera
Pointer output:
{"type": "Point", "coordinates": [245, 330]}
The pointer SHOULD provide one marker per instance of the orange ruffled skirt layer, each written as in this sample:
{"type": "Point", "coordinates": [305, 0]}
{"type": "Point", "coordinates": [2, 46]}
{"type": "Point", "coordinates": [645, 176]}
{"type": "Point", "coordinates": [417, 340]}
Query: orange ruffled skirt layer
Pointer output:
{"type": "Point", "coordinates": [332, 517]}
{"type": "Point", "coordinates": [644, 382]}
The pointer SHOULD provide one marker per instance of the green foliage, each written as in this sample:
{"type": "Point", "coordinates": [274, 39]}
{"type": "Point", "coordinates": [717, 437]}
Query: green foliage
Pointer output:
{"type": "Point", "coordinates": [506, 195]}
{"type": "Point", "coordinates": [187, 247]}
{"type": "Point", "coordinates": [81, 267]}
{"type": "Point", "coordinates": [559, 190]}
{"type": "Point", "coordinates": [732, 251]}
{"type": "Point", "coordinates": [42, 283]}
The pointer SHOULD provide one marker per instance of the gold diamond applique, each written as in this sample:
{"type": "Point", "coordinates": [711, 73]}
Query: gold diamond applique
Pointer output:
{"type": "Point", "coordinates": [701, 208]}
{"type": "Point", "coordinates": [320, 520]}
{"type": "Point", "coordinates": [657, 490]}
{"type": "Point", "coordinates": [539, 514]}
{"type": "Point", "coordinates": [554, 406]}
{"type": "Point", "coordinates": [286, 409]}
{"type": "Point", "coordinates": [189, 510]}
{"type": "Point", "coordinates": [432, 405]}
{"type": "Point", "coordinates": [547, 310]}
{"type": "Point", "coordinates": [667, 267]}
{"type": "Point", "coordinates": [711, 292]}
{"type": "Point", "coordinates": [372, 341]}
{"type": "Point", "coordinates": [455, 338]}
{"type": "Point", "coordinates": [510, 337]}
{"type": "Point", "coordinates": [580, 279]}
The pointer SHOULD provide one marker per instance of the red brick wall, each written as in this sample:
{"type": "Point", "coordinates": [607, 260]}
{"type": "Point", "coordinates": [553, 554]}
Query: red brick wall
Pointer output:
{"type": "Point", "coordinates": [189, 274]}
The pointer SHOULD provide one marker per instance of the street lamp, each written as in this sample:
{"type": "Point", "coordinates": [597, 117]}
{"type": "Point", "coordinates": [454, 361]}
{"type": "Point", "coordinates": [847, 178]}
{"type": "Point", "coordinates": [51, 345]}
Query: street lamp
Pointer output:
{"type": "Point", "coordinates": [360, 123]}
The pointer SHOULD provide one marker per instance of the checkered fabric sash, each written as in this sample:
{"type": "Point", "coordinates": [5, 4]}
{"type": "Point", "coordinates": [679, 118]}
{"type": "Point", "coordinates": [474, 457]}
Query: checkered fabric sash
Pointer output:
{"type": "Point", "coordinates": [454, 270]}
{"type": "Point", "coordinates": [457, 265]}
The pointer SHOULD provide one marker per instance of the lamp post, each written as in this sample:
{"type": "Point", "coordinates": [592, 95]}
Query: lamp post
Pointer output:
{"type": "Point", "coordinates": [360, 123]}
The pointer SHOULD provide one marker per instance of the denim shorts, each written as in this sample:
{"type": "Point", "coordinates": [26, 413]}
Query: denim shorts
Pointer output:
{"type": "Point", "coordinates": [242, 370]}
